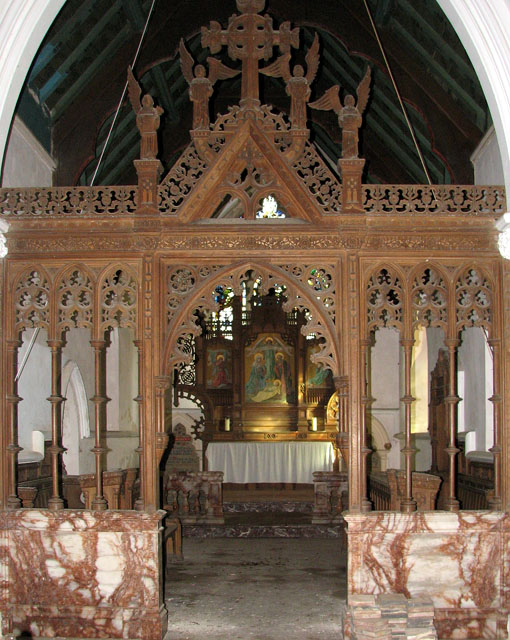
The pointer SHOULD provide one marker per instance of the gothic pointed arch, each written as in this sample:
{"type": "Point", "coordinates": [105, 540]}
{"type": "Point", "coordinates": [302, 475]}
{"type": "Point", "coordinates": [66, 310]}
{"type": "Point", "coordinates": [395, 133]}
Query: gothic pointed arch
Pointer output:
{"type": "Point", "coordinates": [305, 290]}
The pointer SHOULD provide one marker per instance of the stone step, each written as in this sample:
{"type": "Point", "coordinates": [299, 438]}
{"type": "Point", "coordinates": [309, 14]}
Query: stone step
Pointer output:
{"type": "Point", "coordinates": [288, 506]}
{"type": "Point", "coordinates": [263, 531]}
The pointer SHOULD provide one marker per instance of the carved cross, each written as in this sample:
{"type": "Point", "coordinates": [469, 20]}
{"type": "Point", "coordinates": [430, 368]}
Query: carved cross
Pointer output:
{"type": "Point", "coordinates": [250, 38]}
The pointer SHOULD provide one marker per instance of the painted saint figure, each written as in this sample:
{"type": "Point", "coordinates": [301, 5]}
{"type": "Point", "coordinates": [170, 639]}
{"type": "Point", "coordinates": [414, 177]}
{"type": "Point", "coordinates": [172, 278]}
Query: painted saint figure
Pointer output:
{"type": "Point", "coordinates": [257, 380]}
{"type": "Point", "coordinates": [220, 374]}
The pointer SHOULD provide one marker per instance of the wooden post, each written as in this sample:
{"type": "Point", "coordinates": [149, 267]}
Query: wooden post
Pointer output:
{"type": "Point", "coordinates": [451, 503]}
{"type": "Point", "coordinates": [99, 400]}
{"type": "Point", "coordinates": [366, 505]}
{"type": "Point", "coordinates": [56, 399]}
{"type": "Point", "coordinates": [495, 500]}
{"type": "Point", "coordinates": [408, 504]}
{"type": "Point", "coordinates": [13, 501]}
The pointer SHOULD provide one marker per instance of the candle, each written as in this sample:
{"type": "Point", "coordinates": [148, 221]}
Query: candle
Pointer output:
{"type": "Point", "coordinates": [314, 424]}
{"type": "Point", "coordinates": [227, 424]}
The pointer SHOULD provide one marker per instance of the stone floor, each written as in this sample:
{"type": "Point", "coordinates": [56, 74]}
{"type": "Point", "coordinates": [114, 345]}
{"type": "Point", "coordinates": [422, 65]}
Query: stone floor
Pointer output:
{"type": "Point", "coordinates": [264, 589]}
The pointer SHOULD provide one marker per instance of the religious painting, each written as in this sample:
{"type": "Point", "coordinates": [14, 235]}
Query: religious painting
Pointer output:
{"type": "Point", "coordinates": [317, 377]}
{"type": "Point", "coordinates": [269, 370]}
{"type": "Point", "coordinates": [219, 368]}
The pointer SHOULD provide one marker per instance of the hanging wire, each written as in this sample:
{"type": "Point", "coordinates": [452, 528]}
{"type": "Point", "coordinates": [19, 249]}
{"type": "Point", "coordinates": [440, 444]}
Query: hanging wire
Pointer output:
{"type": "Point", "coordinates": [123, 94]}
{"type": "Point", "coordinates": [404, 111]}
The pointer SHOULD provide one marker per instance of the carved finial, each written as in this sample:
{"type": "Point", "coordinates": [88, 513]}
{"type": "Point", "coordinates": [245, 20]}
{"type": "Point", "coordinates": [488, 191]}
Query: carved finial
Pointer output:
{"type": "Point", "coordinates": [349, 114]}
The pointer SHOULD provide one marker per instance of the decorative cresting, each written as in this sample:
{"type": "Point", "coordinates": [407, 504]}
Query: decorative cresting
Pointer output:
{"type": "Point", "coordinates": [384, 300]}
{"type": "Point", "coordinates": [422, 199]}
{"type": "Point", "coordinates": [473, 292]}
{"type": "Point", "coordinates": [429, 298]}
{"type": "Point", "coordinates": [79, 202]}
{"type": "Point", "coordinates": [32, 300]}
{"type": "Point", "coordinates": [75, 299]}
{"type": "Point", "coordinates": [118, 299]}
{"type": "Point", "coordinates": [193, 291]}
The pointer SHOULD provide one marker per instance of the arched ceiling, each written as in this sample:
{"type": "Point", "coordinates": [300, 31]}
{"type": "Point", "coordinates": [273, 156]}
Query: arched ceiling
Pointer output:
{"type": "Point", "coordinates": [79, 73]}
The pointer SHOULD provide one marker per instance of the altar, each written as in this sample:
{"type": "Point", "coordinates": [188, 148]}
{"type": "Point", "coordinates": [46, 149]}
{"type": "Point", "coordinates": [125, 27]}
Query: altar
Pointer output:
{"type": "Point", "coordinates": [244, 462]}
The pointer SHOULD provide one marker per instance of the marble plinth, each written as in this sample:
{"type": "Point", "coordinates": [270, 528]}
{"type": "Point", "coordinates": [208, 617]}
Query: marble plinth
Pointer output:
{"type": "Point", "coordinates": [460, 560]}
{"type": "Point", "coordinates": [74, 573]}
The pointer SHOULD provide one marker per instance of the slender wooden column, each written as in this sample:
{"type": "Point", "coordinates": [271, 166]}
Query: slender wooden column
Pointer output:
{"type": "Point", "coordinates": [495, 501]}
{"type": "Point", "coordinates": [162, 384]}
{"type": "Point", "coordinates": [366, 505]}
{"type": "Point", "coordinates": [99, 400]}
{"type": "Point", "coordinates": [13, 501]}
{"type": "Point", "coordinates": [342, 389]}
{"type": "Point", "coordinates": [139, 504]}
{"type": "Point", "coordinates": [452, 504]}
{"type": "Point", "coordinates": [408, 504]}
{"type": "Point", "coordinates": [56, 399]}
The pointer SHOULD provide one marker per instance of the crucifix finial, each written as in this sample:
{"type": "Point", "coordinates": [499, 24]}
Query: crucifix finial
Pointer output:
{"type": "Point", "coordinates": [250, 38]}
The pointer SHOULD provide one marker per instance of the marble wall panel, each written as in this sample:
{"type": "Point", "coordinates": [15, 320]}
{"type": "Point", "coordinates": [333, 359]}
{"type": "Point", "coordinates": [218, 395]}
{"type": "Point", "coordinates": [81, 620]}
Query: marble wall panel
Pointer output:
{"type": "Point", "coordinates": [76, 573]}
{"type": "Point", "coordinates": [459, 559]}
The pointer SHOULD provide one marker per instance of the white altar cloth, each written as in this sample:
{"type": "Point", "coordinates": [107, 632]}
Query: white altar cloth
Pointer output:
{"type": "Point", "coordinates": [243, 462]}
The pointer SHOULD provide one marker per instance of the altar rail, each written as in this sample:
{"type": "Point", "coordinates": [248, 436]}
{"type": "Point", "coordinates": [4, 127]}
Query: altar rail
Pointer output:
{"type": "Point", "coordinates": [108, 201]}
{"type": "Point", "coordinates": [387, 490]}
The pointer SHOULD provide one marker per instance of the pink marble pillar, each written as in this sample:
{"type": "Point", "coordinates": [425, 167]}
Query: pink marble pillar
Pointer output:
{"type": "Point", "coordinates": [81, 574]}
{"type": "Point", "coordinates": [461, 560]}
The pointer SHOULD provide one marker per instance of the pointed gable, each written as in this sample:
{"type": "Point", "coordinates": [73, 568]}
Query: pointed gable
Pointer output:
{"type": "Point", "coordinates": [251, 152]}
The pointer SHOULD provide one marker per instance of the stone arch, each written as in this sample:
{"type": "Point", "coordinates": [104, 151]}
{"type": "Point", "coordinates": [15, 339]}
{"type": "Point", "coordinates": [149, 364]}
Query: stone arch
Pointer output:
{"type": "Point", "coordinates": [201, 297]}
{"type": "Point", "coordinates": [75, 417]}
{"type": "Point", "coordinates": [380, 443]}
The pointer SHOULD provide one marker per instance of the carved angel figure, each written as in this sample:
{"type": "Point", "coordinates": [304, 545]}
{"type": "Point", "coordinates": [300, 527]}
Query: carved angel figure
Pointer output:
{"type": "Point", "coordinates": [349, 114]}
{"type": "Point", "coordinates": [200, 86]}
{"type": "Point", "coordinates": [147, 117]}
{"type": "Point", "coordinates": [297, 83]}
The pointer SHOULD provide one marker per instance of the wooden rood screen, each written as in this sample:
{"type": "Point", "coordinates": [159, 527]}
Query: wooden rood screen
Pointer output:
{"type": "Point", "coordinates": [151, 257]}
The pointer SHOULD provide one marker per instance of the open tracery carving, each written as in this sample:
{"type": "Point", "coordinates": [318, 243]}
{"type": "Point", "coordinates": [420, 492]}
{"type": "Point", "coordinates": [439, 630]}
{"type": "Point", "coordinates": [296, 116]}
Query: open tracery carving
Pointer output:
{"type": "Point", "coordinates": [384, 299]}
{"type": "Point", "coordinates": [75, 295]}
{"type": "Point", "coordinates": [32, 300]}
{"type": "Point", "coordinates": [118, 299]}
{"type": "Point", "coordinates": [296, 297]}
{"type": "Point", "coordinates": [473, 293]}
{"type": "Point", "coordinates": [321, 281]}
{"type": "Point", "coordinates": [429, 299]}
{"type": "Point", "coordinates": [180, 181]}
{"type": "Point", "coordinates": [319, 181]}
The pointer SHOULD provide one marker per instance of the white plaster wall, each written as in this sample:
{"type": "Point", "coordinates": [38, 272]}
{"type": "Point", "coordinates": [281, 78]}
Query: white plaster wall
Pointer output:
{"type": "Point", "coordinates": [384, 388]}
{"type": "Point", "coordinates": [486, 160]}
{"type": "Point", "coordinates": [26, 161]}
{"type": "Point", "coordinates": [34, 386]}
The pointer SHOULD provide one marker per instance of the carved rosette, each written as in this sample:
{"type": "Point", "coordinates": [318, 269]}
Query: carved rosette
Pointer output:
{"type": "Point", "coordinates": [320, 279]}
{"type": "Point", "coordinates": [473, 293]}
{"type": "Point", "coordinates": [32, 300]}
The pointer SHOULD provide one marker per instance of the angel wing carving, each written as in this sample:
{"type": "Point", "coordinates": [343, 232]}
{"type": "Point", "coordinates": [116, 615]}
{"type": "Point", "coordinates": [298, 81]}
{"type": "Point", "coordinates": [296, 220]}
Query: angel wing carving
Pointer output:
{"type": "Point", "coordinates": [280, 68]}
{"type": "Point", "coordinates": [363, 90]}
{"type": "Point", "coordinates": [330, 101]}
{"type": "Point", "coordinates": [220, 71]}
{"type": "Point", "coordinates": [134, 91]}
{"type": "Point", "coordinates": [187, 62]}
{"type": "Point", "coordinates": [312, 60]}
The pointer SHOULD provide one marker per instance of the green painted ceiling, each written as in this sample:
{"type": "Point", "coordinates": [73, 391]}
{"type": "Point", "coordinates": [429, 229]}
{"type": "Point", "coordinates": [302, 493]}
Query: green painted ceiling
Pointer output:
{"type": "Point", "coordinates": [79, 73]}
